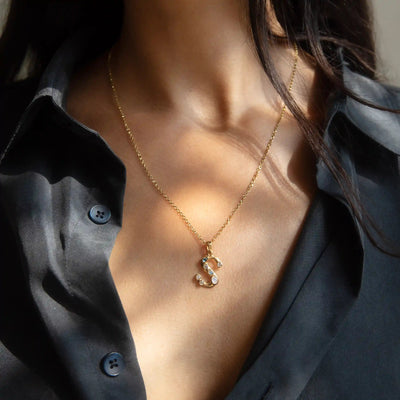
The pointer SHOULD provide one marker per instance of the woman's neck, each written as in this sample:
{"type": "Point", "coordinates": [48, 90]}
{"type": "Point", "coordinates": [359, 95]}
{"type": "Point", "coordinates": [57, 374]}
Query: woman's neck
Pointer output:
{"type": "Point", "coordinates": [196, 57]}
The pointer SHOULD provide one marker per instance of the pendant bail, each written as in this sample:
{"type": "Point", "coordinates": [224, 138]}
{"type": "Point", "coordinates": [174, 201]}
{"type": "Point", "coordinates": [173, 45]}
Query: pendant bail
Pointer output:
{"type": "Point", "coordinates": [209, 248]}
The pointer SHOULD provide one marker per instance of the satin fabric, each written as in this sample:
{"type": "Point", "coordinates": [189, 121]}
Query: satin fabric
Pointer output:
{"type": "Point", "coordinates": [332, 331]}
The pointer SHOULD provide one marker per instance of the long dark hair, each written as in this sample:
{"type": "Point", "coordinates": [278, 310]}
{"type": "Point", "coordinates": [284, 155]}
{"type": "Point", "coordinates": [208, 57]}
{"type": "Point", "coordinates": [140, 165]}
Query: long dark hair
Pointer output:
{"type": "Point", "coordinates": [322, 29]}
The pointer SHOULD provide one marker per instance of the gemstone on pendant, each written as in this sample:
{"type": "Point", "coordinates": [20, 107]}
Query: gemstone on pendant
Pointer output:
{"type": "Point", "coordinates": [209, 262]}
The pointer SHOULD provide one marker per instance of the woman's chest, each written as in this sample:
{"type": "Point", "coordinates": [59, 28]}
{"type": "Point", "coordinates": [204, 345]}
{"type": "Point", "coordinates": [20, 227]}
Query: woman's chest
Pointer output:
{"type": "Point", "coordinates": [192, 341]}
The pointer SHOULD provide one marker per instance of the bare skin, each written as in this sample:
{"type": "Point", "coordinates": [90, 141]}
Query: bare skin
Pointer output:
{"type": "Point", "coordinates": [202, 111]}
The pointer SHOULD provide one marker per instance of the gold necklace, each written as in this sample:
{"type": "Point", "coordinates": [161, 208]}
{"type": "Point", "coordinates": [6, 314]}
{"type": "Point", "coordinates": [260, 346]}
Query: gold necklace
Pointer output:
{"type": "Point", "coordinates": [209, 256]}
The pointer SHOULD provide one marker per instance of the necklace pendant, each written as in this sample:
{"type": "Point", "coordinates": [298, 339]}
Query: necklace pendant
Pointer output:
{"type": "Point", "coordinates": [207, 267]}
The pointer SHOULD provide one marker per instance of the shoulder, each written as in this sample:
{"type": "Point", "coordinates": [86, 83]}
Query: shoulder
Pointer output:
{"type": "Point", "coordinates": [14, 98]}
{"type": "Point", "coordinates": [377, 123]}
{"type": "Point", "coordinates": [366, 141]}
{"type": "Point", "coordinates": [366, 133]}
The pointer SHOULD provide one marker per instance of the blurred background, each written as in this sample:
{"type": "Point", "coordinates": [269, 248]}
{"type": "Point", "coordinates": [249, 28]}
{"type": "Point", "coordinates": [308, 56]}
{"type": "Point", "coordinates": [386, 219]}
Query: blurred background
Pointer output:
{"type": "Point", "coordinates": [387, 28]}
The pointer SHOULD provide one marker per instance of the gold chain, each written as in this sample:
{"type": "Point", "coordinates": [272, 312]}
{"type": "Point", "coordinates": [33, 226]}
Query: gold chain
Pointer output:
{"type": "Point", "coordinates": [168, 199]}
{"type": "Point", "coordinates": [156, 184]}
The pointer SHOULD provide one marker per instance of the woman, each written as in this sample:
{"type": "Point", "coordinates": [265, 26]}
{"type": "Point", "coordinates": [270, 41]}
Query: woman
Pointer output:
{"type": "Point", "coordinates": [270, 271]}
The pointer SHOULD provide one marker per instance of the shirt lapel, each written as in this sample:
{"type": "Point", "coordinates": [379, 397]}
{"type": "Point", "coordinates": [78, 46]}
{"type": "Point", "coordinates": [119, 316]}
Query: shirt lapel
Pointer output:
{"type": "Point", "coordinates": [320, 286]}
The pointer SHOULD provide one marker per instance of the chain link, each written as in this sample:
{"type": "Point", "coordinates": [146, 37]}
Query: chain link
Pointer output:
{"type": "Point", "coordinates": [156, 184]}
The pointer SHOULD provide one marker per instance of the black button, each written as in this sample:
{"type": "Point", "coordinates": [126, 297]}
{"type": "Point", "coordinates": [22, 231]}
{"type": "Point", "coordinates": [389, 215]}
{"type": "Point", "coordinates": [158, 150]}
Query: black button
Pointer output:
{"type": "Point", "coordinates": [100, 214]}
{"type": "Point", "coordinates": [112, 364]}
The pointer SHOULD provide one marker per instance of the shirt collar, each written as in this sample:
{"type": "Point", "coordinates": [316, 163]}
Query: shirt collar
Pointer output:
{"type": "Point", "coordinates": [53, 83]}
{"type": "Point", "coordinates": [56, 77]}
{"type": "Point", "coordinates": [381, 126]}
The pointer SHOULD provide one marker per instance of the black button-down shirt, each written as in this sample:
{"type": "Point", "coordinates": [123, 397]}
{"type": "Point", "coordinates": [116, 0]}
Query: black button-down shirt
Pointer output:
{"type": "Point", "coordinates": [332, 331]}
